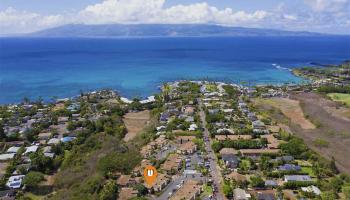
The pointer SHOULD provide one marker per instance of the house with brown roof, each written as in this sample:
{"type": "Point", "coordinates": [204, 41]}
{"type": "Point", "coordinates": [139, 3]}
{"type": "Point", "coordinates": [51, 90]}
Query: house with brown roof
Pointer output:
{"type": "Point", "coordinates": [273, 143]}
{"type": "Point", "coordinates": [273, 129]}
{"type": "Point", "coordinates": [188, 110]}
{"type": "Point", "coordinates": [258, 152]}
{"type": "Point", "coordinates": [172, 163]}
{"type": "Point", "coordinates": [125, 181]}
{"type": "Point", "coordinates": [189, 191]}
{"type": "Point", "coordinates": [184, 139]}
{"type": "Point", "coordinates": [228, 151]}
{"type": "Point", "coordinates": [160, 141]}
{"type": "Point", "coordinates": [187, 148]}
{"type": "Point", "coordinates": [138, 170]}
{"type": "Point", "coordinates": [161, 182]}
{"type": "Point", "coordinates": [236, 176]}
{"type": "Point", "coordinates": [44, 136]}
{"type": "Point", "coordinates": [232, 137]}
{"type": "Point", "coordinates": [127, 193]}
{"type": "Point", "coordinates": [146, 150]}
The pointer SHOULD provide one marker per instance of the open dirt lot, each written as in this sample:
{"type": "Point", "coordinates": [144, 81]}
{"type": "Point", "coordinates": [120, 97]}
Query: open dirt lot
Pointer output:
{"type": "Point", "coordinates": [332, 126]}
{"type": "Point", "coordinates": [291, 109]}
{"type": "Point", "coordinates": [135, 122]}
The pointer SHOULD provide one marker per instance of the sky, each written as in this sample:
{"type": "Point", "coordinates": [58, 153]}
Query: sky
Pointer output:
{"type": "Point", "coordinates": [325, 16]}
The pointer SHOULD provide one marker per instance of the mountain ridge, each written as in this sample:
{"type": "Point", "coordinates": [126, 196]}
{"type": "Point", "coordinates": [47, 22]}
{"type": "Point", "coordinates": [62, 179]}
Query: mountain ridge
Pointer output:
{"type": "Point", "coordinates": [161, 30]}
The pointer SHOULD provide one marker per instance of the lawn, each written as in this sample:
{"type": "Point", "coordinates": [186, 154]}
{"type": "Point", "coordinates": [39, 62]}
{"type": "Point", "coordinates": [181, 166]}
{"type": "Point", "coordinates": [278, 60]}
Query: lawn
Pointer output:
{"type": "Point", "coordinates": [308, 170]}
{"type": "Point", "coordinates": [344, 98]}
{"type": "Point", "coordinates": [211, 87]}
{"type": "Point", "coordinates": [33, 196]}
{"type": "Point", "coordinates": [207, 191]}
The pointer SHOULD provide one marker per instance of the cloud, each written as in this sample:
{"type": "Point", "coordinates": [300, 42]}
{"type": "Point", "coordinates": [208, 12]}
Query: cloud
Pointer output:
{"type": "Point", "coordinates": [313, 15]}
{"type": "Point", "coordinates": [329, 5]}
{"type": "Point", "coordinates": [153, 11]}
{"type": "Point", "coordinates": [14, 21]}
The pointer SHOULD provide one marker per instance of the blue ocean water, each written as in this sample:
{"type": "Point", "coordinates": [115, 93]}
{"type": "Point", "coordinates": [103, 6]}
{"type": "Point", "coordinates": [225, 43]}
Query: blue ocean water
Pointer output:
{"type": "Point", "coordinates": [62, 67]}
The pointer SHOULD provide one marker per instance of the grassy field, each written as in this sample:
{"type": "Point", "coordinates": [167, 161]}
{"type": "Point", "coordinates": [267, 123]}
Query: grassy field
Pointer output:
{"type": "Point", "coordinates": [308, 170]}
{"type": "Point", "coordinates": [211, 87]}
{"type": "Point", "coordinates": [135, 123]}
{"type": "Point", "coordinates": [290, 108]}
{"type": "Point", "coordinates": [344, 98]}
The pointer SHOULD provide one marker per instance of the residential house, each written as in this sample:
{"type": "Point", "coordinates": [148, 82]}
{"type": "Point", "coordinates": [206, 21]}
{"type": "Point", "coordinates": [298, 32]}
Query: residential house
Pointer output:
{"type": "Point", "coordinates": [6, 156]}
{"type": "Point", "coordinates": [15, 182]}
{"type": "Point", "coordinates": [53, 141]}
{"type": "Point", "coordinates": [126, 193]}
{"type": "Point", "coordinates": [236, 176]}
{"type": "Point", "coordinates": [265, 195]}
{"type": "Point", "coordinates": [188, 110]}
{"type": "Point", "coordinates": [273, 143]}
{"type": "Point", "coordinates": [312, 189]}
{"type": "Point", "coordinates": [228, 151]}
{"type": "Point", "coordinates": [258, 152]}
{"type": "Point", "coordinates": [164, 117]}
{"type": "Point", "coordinates": [172, 163]}
{"type": "Point", "coordinates": [189, 191]}
{"type": "Point", "coordinates": [44, 136]}
{"type": "Point", "coordinates": [125, 181]}
{"type": "Point", "coordinates": [289, 167]}
{"type": "Point", "coordinates": [193, 127]}
{"type": "Point", "coordinates": [232, 137]}
{"type": "Point", "coordinates": [13, 149]}
{"type": "Point", "coordinates": [273, 129]}
{"type": "Point", "coordinates": [31, 149]}
{"type": "Point", "coordinates": [162, 181]}
{"type": "Point", "coordinates": [258, 124]}
{"type": "Point", "coordinates": [240, 194]}
{"type": "Point", "coordinates": [302, 178]}
{"type": "Point", "coordinates": [271, 183]}
{"type": "Point", "coordinates": [231, 160]}
{"type": "Point", "coordinates": [184, 139]}
{"type": "Point", "coordinates": [187, 148]}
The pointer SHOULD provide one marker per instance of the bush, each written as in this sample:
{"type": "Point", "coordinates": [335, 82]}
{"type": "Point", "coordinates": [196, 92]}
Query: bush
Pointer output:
{"type": "Point", "coordinates": [32, 179]}
{"type": "Point", "coordinates": [257, 181]}
{"type": "Point", "coordinates": [122, 162]}
{"type": "Point", "coordinates": [293, 185]}
{"type": "Point", "coordinates": [295, 147]}
{"type": "Point", "coordinates": [109, 191]}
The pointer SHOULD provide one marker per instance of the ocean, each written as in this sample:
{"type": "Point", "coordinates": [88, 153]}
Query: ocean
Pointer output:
{"type": "Point", "coordinates": [62, 67]}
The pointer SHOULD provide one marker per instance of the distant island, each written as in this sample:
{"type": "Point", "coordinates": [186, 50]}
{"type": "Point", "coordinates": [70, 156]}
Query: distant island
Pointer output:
{"type": "Point", "coordinates": [161, 30]}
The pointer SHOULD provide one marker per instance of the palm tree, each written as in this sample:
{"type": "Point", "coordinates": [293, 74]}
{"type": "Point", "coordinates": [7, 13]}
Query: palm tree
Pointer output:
{"type": "Point", "coordinates": [26, 100]}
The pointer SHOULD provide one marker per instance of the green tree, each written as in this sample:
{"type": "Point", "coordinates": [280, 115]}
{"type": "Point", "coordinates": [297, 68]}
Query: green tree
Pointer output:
{"type": "Point", "coordinates": [216, 146]}
{"type": "Point", "coordinates": [333, 166]}
{"type": "Point", "coordinates": [141, 189]}
{"type": "Point", "coordinates": [295, 147]}
{"type": "Point", "coordinates": [328, 196]}
{"type": "Point", "coordinates": [136, 105]}
{"type": "Point", "coordinates": [227, 189]}
{"type": "Point", "coordinates": [109, 191]}
{"type": "Point", "coordinates": [41, 163]}
{"type": "Point", "coordinates": [346, 191]}
{"type": "Point", "coordinates": [32, 179]}
{"type": "Point", "coordinates": [2, 132]}
{"type": "Point", "coordinates": [257, 181]}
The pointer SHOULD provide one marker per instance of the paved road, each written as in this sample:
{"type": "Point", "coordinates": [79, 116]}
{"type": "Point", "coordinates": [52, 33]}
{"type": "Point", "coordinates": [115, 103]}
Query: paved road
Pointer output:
{"type": "Point", "coordinates": [214, 169]}
{"type": "Point", "coordinates": [163, 153]}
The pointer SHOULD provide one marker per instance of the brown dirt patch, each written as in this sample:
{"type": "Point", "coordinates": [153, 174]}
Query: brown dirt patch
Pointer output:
{"type": "Point", "coordinates": [332, 127]}
{"type": "Point", "coordinates": [291, 109]}
{"type": "Point", "coordinates": [135, 122]}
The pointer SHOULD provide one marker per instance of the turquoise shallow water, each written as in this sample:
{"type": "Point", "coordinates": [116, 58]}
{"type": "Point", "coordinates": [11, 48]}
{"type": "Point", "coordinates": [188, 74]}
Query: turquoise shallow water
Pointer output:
{"type": "Point", "coordinates": [62, 67]}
